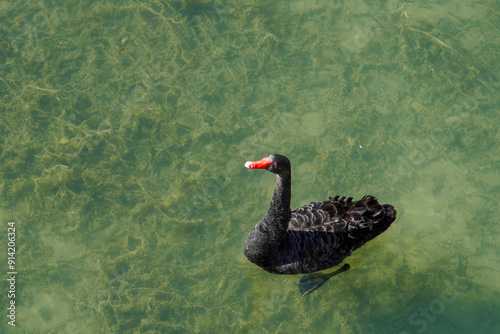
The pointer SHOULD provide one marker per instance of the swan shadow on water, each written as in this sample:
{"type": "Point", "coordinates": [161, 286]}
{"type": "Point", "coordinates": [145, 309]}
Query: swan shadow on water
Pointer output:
{"type": "Point", "coordinates": [313, 281]}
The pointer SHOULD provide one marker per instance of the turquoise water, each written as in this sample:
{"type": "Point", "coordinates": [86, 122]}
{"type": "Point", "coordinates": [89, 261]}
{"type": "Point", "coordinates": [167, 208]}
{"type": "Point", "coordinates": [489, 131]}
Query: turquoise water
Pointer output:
{"type": "Point", "coordinates": [124, 131]}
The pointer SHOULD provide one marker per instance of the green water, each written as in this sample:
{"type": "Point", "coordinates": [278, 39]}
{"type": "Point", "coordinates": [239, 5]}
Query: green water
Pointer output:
{"type": "Point", "coordinates": [124, 129]}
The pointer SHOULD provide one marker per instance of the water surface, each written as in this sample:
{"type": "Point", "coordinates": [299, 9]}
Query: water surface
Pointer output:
{"type": "Point", "coordinates": [124, 132]}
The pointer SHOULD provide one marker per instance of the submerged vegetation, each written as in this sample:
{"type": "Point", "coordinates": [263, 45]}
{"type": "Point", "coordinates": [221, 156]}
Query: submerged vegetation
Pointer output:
{"type": "Point", "coordinates": [125, 127]}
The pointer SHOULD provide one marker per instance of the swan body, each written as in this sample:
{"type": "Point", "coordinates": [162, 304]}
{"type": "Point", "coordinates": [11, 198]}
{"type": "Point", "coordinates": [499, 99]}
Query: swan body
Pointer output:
{"type": "Point", "coordinates": [316, 236]}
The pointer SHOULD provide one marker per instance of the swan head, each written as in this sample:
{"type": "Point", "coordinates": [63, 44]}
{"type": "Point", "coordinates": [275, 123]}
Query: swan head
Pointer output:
{"type": "Point", "coordinates": [275, 163]}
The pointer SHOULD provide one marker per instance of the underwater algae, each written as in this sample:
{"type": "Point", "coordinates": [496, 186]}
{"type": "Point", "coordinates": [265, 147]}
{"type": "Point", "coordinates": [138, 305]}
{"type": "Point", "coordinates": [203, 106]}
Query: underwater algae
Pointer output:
{"type": "Point", "coordinates": [127, 125]}
{"type": "Point", "coordinates": [89, 138]}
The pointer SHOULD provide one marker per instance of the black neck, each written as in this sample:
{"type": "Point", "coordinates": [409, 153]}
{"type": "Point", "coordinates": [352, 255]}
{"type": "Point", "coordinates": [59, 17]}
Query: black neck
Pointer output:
{"type": "Point", "coordinates": [278, 215]}
{"type": "Point", "coordinates": [263, 243]}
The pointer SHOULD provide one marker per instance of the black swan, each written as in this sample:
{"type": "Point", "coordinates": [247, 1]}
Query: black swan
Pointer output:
{"type": "Point", "coordinates": [314, 237]}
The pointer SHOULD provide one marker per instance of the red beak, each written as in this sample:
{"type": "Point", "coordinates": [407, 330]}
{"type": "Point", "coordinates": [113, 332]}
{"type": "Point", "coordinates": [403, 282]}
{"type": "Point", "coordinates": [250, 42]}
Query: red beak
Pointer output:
{"type": "Point", "coordinates": [261, 164]}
